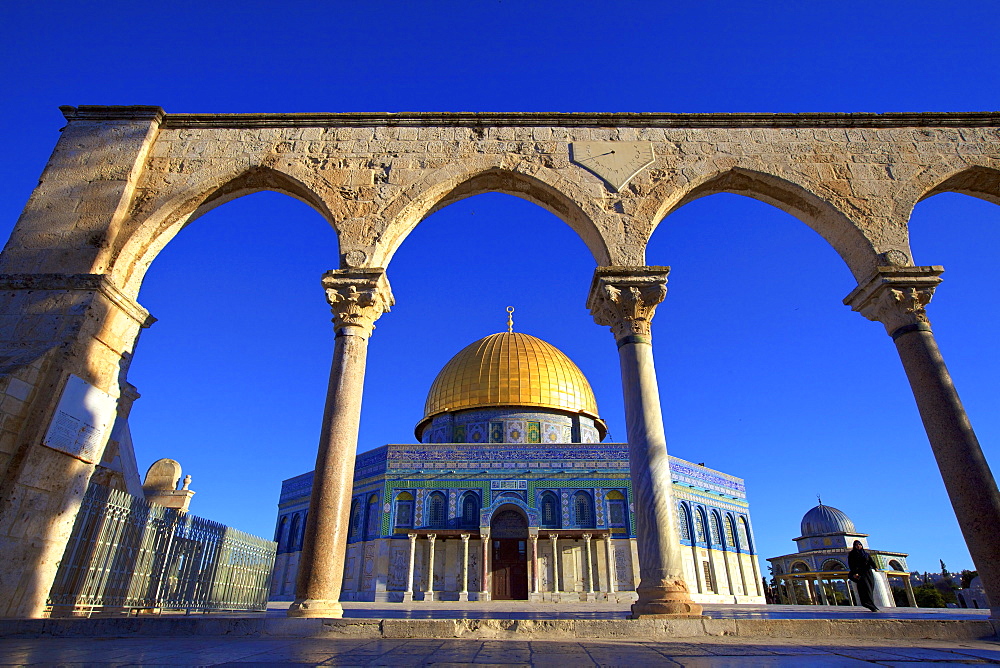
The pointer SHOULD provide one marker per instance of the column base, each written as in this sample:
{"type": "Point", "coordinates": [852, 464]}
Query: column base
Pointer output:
{"type": "Point", "coordinates": [429, 596]}
{"type": "Point", "coordinates": [407, 596]}
{"type": "Point", "coordinates": [483, 596]}
{"type": "Point", "coordinates": [668, 601]}
{"type": "Point", "coordinates": [535, 596]}
{"type": "Point", "coordinates": [463, 596]}
{"type": "Point", "coordinates": [588, 596]}
{"type": "Point", "coordinates": [316, 608]}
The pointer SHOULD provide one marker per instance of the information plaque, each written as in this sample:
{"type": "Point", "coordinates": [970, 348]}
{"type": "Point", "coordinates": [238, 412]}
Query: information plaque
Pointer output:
{"type": "Point", "coordinates": [82, 420]}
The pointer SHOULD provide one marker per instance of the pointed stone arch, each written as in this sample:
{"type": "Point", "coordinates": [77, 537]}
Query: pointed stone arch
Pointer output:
{"type": "Point", "coordinates": [149, 234]}
{"type": "Point", "coordinates": [845, 235]}
{"type": "Point", "coordinates": [538, 185]}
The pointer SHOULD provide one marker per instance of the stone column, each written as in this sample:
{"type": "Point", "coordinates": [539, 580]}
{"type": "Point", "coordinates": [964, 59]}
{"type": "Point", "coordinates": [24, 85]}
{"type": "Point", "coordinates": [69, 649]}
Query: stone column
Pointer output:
{"type": "Point", "coordinates": [408, 594]}
{"type": "Point", "coordinates": [463, 594]}
{"type": "Point", "coordinates": [555, 563]}
{"type": "Point", "coordinates": [429, 590]}
{"type": "Point", "coordinates": [625, 298]}
{"type": "Point", "coordinates": [822, 591]}
{"type": "Point", "coordinates": [911, 599]}
{"type": "Point", "coordinates": [534, 564]}
{"type": "Point", "coordinates": [609, 553]}
{"type": "Point", "coordinates": [357, 298]}
{"type": "Point", "coordinates": [791, 591]}
{"type": "Point", "coordinates": [589, 568]}
{"type": "Point", "coordinates": [484, 593]}
{"type": "Point", "coordinates": [897, 297]}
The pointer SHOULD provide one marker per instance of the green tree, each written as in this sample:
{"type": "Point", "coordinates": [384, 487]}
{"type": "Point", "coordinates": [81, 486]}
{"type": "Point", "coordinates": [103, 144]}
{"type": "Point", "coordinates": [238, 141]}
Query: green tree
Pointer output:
{"type": "Point", "coordinates": [928, 596]}
{"type": "Point", "coordinates": [967, 577]}
{"type": "Point", "coordinates": [944, 569]}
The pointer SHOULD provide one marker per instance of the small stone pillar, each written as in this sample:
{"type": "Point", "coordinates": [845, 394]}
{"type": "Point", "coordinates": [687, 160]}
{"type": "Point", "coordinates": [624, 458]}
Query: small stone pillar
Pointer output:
{"type": "Point", "coordinates": [161, 485]}
{"type": "Point", "coordinates": [589, 568]}
{"type": "Point", "coordinates": [357, 298]}
{"type": "Point", "coordinates": [822, 591]}
{"type": "Point", "coordinates": [609, 553]}
{"type": "Point", "coordinates": [555, 565]}
{"type": "Point", "coordinates": [534, 565]}
{"type": "Point", "coordinates": [429, 590]}
{"type": "Point", "coordinates": [408, 594]}
{"type": "Point", "coordinates": [911, 599]}
{"type": "Point", "coordinates": [625, 299]}
{"type": "Point", "coordinates": [897, 297]}
{"type": "Point", "coordinates": [484, 591]}
{"type": "Point", "coordinates": [463, 594]}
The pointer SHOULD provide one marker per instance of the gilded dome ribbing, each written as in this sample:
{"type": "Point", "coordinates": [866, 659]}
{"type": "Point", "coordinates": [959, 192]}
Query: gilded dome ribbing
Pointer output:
{"type": "Point", "coordinates": [511, 369]}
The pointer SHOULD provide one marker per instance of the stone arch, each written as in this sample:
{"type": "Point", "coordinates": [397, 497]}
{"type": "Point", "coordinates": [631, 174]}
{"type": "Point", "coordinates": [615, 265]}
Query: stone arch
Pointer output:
{"type": "Point", "coordinates": [801, 567]}
{"type": "Point", "coordinates": [845, 236]}
{"type": "Point", "coordinates": [149, 234]}
{"type": "Point", "coordinates": [833, 565]}
{"type": "Point", "coordinates": [507, 510]}
{"type": "Point", "coordinates": [487, 513]}
{"type": "Point", "coordinates": [543, 187]}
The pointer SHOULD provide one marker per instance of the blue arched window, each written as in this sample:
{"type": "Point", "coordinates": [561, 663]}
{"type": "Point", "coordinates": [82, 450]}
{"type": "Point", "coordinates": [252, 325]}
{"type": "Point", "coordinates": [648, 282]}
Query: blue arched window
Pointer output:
{"type": "Point", "coordinates": [550, 511]}
{"type": "Point", "coordinates": [293, 533]}
{"type": "Point", "coordinates": [436, 516]}
{"type": "Point", "coordinates": [470, 510]}
{"type": "Point", "coordinates": [373, 522]}
{"type": "Point", "coordinates": [716, 526]}
{"type": "Point", "coordinates": [404, 510]}
{"type": "Point", "coordinates": [699, 524]}
{"type": "Point", "coordinates": [745, 534]}
{"type": "Point", "coordinates": [731, 533]}
{"type": "Point", "coordinates": [683, 525]}
{"type": "Point", "coordinates": [281, 534]}
{"type": "Point", "coordinates": [583, 504]}
{"type": "Point", "coordinates": [357, 521]}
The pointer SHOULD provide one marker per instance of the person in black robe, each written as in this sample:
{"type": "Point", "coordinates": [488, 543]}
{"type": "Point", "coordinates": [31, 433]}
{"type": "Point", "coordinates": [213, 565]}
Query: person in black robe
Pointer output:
{"type": "Point", "coordinates": [862, 566]}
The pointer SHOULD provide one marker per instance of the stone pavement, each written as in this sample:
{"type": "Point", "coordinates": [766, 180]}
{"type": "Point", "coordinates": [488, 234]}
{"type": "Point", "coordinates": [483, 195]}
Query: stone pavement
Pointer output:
{"type": "Point", "coordinates": [715, 653]}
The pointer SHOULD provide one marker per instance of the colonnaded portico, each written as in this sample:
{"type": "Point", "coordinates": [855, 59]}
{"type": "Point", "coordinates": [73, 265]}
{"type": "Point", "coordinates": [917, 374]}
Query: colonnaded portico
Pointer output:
{"type": "Point", "coordinates": [122, 181]}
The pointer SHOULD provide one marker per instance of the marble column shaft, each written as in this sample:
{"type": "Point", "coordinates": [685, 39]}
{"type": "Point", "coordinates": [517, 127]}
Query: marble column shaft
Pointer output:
{"type": "Point", "coordinates": [357, 298]}
{"type": "Point", "coordinates": [589, 568]}
{"type": "Point", "coordinates": [412, 565]}
{"type": "Point", "coordinates": [534, 563]}
{"type": "Point", "coordinates": [429, 590]}
{"type": "Point", "coordinates": [555, 562]}
{"type": "Point", "coordinates": [625, 299]}
{"type": "Point", "coordinates": [464, 593]}
{"type": "Point", "coordinates": [897, 297]}
{"type": "Point", "coordinates": [609, 553]}
{"type": "Point", "coordinates": [484, 566]}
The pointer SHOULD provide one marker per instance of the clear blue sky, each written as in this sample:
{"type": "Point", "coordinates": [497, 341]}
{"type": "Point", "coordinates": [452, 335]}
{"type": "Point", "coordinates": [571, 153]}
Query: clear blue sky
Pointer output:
{"type": "Point", "coordinates": [763, 372]}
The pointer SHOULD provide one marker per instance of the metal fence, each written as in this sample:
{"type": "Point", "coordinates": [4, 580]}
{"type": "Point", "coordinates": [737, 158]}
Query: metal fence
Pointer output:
{"type": "Point", "coordinates": [126, 555]}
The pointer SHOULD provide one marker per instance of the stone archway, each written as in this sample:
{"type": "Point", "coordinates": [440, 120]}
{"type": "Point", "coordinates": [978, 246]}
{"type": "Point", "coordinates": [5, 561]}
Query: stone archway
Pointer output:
{"type": "Point", "coordinates": [509, 554]}
{"type": "Point", "coordinates": [123, 179]}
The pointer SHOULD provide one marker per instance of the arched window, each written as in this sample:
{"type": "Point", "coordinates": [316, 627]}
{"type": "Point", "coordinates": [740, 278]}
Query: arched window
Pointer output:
{"type": "Point", "coordinates": [699, 524]}
{"type": "Point", "coordinates": [404, 510]}
{"type": "Point", "coordinates": [373, 518]}
{"type": "Point", "coordinates": [357, 520]}
{"type": "Point", "coordinates": [281, 535]}
{"type": "Point", "coordinates": [800, 567]}
{"type": "Point", "coordinates": [745, 535]}
{"type": "Point", "coordinates": [716, 529]}
{"type": "Point", "coordinates": [583, 504]}
{"type": "Point", "coordinates": [832, 565]}
{"type": "Point", "coordinates": [682, 522]}
{"type": "Point", "coordinates": [293, 533]}
{"type": "Point", "coordinates": [550, 511]}
{"type": "Point", "coordinates": [436, 517]}
{"type": "Point", "coordinates": [617, 516]}
{"type": "Point", "coordinates": [470, 510]}
{"type": "Point", "coordinates": [895, 565]}
{"type": "Point", "coordinates": [731, 533]}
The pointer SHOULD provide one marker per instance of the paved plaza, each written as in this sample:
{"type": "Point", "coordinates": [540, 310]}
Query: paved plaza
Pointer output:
{"type": "Point", "coordinates": [716, 653]}
{"type": "Point", "coordinates": [214, 649]}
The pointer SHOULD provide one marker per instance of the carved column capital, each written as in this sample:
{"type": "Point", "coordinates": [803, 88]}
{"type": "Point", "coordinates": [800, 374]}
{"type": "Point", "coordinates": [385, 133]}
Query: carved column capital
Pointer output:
{"type": "Point", "coordinates": [464, 537]}
{"type": "Point", "coordinates": [412, 537]}
{"type": "Point", "coordinates": [432, 537]}
{"type": "Point", "coordinates": [357, 298]}
{"type": "Point", "coordinates": [625, 299]}
{"type": "Point", "coordinates": [587, 537]}
{"type": "Point", "coordinates": [897, 297]}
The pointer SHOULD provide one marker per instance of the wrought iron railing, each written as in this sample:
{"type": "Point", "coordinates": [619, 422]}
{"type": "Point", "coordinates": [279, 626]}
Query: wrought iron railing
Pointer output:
{"type": "Point", "coordinates": [127, 555]}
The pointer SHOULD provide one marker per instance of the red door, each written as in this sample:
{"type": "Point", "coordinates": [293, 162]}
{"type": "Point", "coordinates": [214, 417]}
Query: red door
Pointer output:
{"type": "Point", "coordinates": [510, 569]}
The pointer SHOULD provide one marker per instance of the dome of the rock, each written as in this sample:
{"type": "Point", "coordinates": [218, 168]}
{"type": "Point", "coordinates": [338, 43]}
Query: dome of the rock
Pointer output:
{"type": "Point", "coordinates": [510, 369]}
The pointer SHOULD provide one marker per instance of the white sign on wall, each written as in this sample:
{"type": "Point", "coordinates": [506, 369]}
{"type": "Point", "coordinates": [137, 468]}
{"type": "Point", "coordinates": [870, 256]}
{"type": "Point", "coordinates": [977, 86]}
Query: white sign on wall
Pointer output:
{"type": "Point", "coordinates": [82, 421]}
{"type": "Point", "coordinates": [508, 484]}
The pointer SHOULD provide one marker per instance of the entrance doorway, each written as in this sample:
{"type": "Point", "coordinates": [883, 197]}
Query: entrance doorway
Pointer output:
{"type": "Point", "coordinates": [509, 535]}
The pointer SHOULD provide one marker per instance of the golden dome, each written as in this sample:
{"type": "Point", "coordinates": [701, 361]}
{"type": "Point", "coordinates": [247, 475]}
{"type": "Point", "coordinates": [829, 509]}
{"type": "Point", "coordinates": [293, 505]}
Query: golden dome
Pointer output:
{"type": "Point", "coordinates": [510, 369]}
